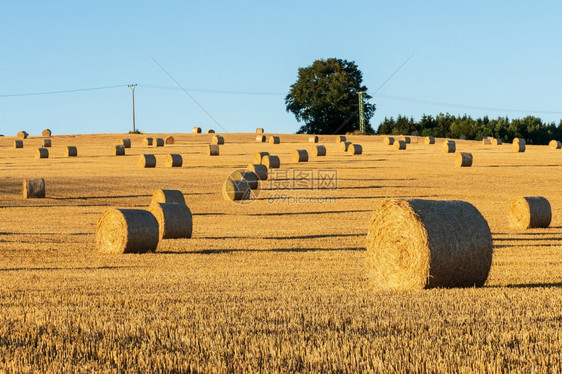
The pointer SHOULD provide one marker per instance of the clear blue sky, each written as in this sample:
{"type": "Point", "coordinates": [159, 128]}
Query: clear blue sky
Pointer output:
{"type": "Point", "coordinates": [484, 57]}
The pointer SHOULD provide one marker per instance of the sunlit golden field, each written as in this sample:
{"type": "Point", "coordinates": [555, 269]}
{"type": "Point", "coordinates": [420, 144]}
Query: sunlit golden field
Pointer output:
{"type": "Point", "coordinates": [276, 284]}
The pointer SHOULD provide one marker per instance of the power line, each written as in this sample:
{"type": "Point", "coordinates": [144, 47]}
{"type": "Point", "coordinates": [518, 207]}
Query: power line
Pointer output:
{"type": "Point", "coordinates": [62, 91]}
{"type": "Point", "coordinates": [215, 91]}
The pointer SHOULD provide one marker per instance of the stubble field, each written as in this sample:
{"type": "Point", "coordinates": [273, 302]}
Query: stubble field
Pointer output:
{"type": "Point", "coordinates": [278, 284]}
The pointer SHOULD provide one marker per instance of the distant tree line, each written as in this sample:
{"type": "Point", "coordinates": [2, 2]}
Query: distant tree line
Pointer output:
{"type": "Point", "coordinates": [531, 128]}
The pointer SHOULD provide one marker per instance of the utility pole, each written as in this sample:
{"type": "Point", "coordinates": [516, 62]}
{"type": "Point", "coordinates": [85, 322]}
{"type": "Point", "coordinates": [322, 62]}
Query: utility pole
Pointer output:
{"type": "Point", "coordinates": [132, 87]}
{"type": "Point", "coordinates": [361, 112]}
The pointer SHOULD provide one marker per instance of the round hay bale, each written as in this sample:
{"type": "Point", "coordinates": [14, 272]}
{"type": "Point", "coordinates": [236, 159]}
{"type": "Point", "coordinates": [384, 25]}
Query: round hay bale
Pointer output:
{"type": "Point", "coordinates": [313, 139]}
{"type": "Point", "coordinates": [126, 143]}
{"type": "Point", "coordinates": [174, 160]}
{"type": "Point", "coordinates": [259, 169]}
{"type": "Point", "coordinates": [340, 138]}
{"type": "Point", "coordinates": [22, 135]}
{"type": "Point", "coordinates": [119, 150]}
{"type": "Point", "coordinates": [147, 142]}
{"type": "Point", "coordinates": [261, 138]}
{"type": "Point", "coordinates": [448, 146]}
{"type": "Point", "coordinates": [344, 146]}
{"type": "Point", "coordinates": [169, 140]}
{"type": "Point", "coordinates": [416, 244]}
{"type": "Point", "coordinates": [46, 132]}
{"type": "Point", "coordinates": [555, 144]}
{"type": "Point", "coordinates": [236, 190]}
{"type": "Point", "coordinates": [217, 139]}
{"type": "Point", "coordinates": [127, 231]}
{"type": "Point", "coordinates": [519, 140]}
{"type": "Point", "coordinates": [463, 159]}
{"type": "Point", "coordinates": [159, 142]}
{"type": "Point", "coordinates": [147, 161]}
{"type": "Point", "coordinates": [214, 150]}
{"type": "Point", "coordinates": [34, 188]}
{"type": "Point", "coordinates": [496, 141]}
{"type": "Point", "coordinates": [518, 147]}
{"type": "Point", "coordinates": [210, 131]}
{"type": "Point", "coordinates": [407, 139]}
{"type": "Point", "coordinates": [174, 220]}
{"type": "Point", "coordinates": [318, 150]}
{"type": "Point", "coordinates": [271, 162]}
{"type": "Point", "coordinates": [258, 157]}
{"type": "Point", "coordinates": [355, 149]}
{"type": "Point", "coordinates": [300, 155]}
{"type": "Point", "coordinates": [388, 140]}
{"type": "Point", "coordinates": [249, 176]}
{"type": "Point", "coordinates": [399, 144]}
{"type": "Point", "coordinates": [41, 153]}
{"type": "Point", "coordinates": [487, 141]}
{"type": "Point", "coordinates": [274, 140]}
{"type": "Point", "coordinates": [196, 130]}
{"type": "Point", "coordinates": [259, 130]}
{"type": "Point", "coordinates": [46, 143]}
{"type": "Point", "coordinates": [429, 140]}
{"type": "Point", "coordinates": [18, 143]}
{"type": "Point", "coordinates": [529, 212]}
{"type": "Point", "coordinates": [168, 197]}
{"type": "Point", "coordinates": [71, 151]}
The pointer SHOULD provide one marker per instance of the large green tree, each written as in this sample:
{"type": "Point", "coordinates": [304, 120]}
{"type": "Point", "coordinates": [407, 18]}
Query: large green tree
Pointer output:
{"type": "Point", "coordinates": [324, 97]}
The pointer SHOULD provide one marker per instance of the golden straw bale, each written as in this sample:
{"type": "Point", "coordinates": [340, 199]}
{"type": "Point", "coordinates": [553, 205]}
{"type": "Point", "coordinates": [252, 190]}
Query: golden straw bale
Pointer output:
{"type": "Point", "coordinates": [344, 146]}
{"type": "Point", "coordinates": [41, 153]}
{"type": "Point", "coordinates": [271, 162]}
{"type": "Point", "coordinates": [147, 161]}
{"type": "Point", "coordinates": [46, 132]}
{"type": "Point", "coordinates": [407, 139]}
{"type": "Point", "coordinates": [210, 131]}
{"type": "Point", "coordinates": [174, 160]}
{"type": "Point", "coordinates": [169, 140]}
{"type": "Point", "coordinates": [529, 212]}
{"type": "Point", "coordinates": [555, 144]}
{"type": "Point", "coordinates": [463, 159]}
{"type": "Point", "coordinates": [159, 142]}
{"type": "Point", "coordinates": [119, 150]}
{"type": "Point", "coordinates": [487, 141]}
{"type": "Point", "coordinates": [168, 197]}
{"type": "Point", "coordinates": [127, 231]}
{"type": "Point", "coordinates": [388, 140]}
{"type": "Point", "coordinates": [249, 176]}
{"type": "Point", "coordinates": [399, 144]}
{"type": "Point", "coordinates": [313, 139]}
{"type": "Point", "coordinates": [261, 138]}
{"type": "Point", "coordinates": [214, 150]}
{"type": "Point", "coordinates": [174, 220]}
{"type": "Point", "coordinates": [34, 188]}
{"type": "Point", "coordinates": [448, 146]}
{"type": "Point", "coordinates": [196, 130]}
{"type": "Point", "coordinates": [429, 140]}
{"type": "Point", "coordinates": [259, 169]}
{"type": "Point", "coordinates": [318, 150]}
{"type": "Point", "coordinates": [259, 130]}
{"type": "Point", "coordinates": [497, 141]}
{"type": "Point", "coordinates": [355, 149]}
{"type": "Point", "coordinates": [22, 135]}
{"type": "Point", "coordinates": [126, 143]}
{"type": "Point", "coordinates": [258, 157]}
{"type": "Point", "coordinates": [147, 142]}
{"type": "Point", "coordinates": [236, 190]}
{"type": "Point", "coordinates": [416, 244]}
{"type": "Point", "coordinates": [18, 143]}
{"type": "Point", "coordinates": [71, 151]}
{"type": "Point", "coordinates": [518, 147]}
{"type": "Point", "coordinates": [340, 138]}
{"type": "Point", "coordinates": [217, 139]}
{"type": "Point", "coordinates": [300, 155]}
{"type": "Point", "coordinates": [274, 140]}
{"type": "Point", "coordinates": [519, 140]}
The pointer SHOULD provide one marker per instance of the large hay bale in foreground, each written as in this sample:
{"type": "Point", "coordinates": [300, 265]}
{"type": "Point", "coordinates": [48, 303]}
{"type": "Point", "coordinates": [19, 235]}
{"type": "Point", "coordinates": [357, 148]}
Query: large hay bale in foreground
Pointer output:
{"type": "Point", "coordinates": [119, 150]}
{"type": "Point", "coordinates": [300, 155]}
{"type": "Point", "coordinates": [170, 140]}
{"type": "Point", "coordinates": [258, 157]}
{"type": "Point", "coordinates": [415, 244]}
{"type": "Point", "coordinates": [259, 130]}
{"type": "Point", "coordinates": [174, 220]}
{"type": "Point", "coordinates": [271, 162]}
{"type": "Point", "coordinates": [340, 138]}
{"type": "Point", "coordinates": [388, 140]}
{"type": "Point", "coordinates": [147, 161]}
{"type": "Point", "coordinates": [318, 150]}
{"type": "Point", "coordinates": [127, 231]}
{"type": "Point", "coordinates": [18, 143]}
{"type": "Point", "coordinates": [126, 143]}
{"type": "Point", "coordinates": [313, 139]}
{"type": "Point", "coordinates": [448, 146]}
{"type": "Point", "coordinates": [429, 140]}
{"type": "Point", "coordinates": [159, 142]}
{"type": "Point", "coordinates": [41, 153]}
{"type": "Point", "coordinates": [259, 169]}
{"type": "Point", "coordinates": [213, 150]}
{"type": "Point", "coordinates": [34, 188]}
{"type": "Point", "coordinates": [147, 142]}
{"type": "Point", "coordinates": [399, 145]}
{"type": "Point", "coordinates": [236, 190]}
{"type": "Point", "coordinates": [261, 138]}
{"type": "Point", "coordinates": [530, 212]}
{"type": "Point", "coordinates": [518, 147]}
{"type": "Point", "coordinates": [274, 140]}
{"type": "Point", "coordinates": [555, 144]}
{"type": "Point", "coordinates": [355, 149]}
{"type": "Point", "coordinates": [168, 196]}
{"type": "Point", "coordinates": [46, 143]}
{"type": "Point", "coordinates": [71, 151]}
{"type": "Point", "coordinates": [463, 159]}
{"type": "Point", "coordinates": [217, 139]}
{"type": "Point", "coordinates": [46, 132]}
{"type": "Point", "coordinates": [496, 141]}
{"type": "Point", "coordinates": [22, 135]}
{"type": "Point", "coordinates": [196, 130]}
{"type": "Point", "coordinates": [174, 160]}
{"type": "Point", "coordinates": [249, 176]}
{"type": "Point", "coordinates": [344, 146]}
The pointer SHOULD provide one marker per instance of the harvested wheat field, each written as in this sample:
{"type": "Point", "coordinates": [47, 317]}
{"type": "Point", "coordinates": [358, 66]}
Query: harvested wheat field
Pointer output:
{"type": "Point", "coordinates": [280, 282]}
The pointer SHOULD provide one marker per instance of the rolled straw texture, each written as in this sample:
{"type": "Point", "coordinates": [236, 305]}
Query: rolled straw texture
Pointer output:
{"type": "Point", "coordinates": [174, 220]}
{"type": "Point", "coordinates": [168, 196]}
{"type": "Point", "coordinates": [530, 212]}
{"type": "Point", "coordinates": [127, 231]}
